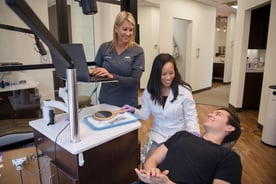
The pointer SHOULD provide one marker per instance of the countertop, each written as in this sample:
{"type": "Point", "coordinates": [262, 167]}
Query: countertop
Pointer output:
{"type": "Point", "coordinates": [90, 138]}
{"type": "Point", "coordinates": [219, 60]}
{"type": "Point", "coordinates": [20, 86]}
{"type": "Point", "coordinates": [258, 70]}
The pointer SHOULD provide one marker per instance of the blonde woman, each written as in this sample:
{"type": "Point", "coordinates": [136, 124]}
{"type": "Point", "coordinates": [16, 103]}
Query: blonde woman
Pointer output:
{"type": "Point", "coordinates": [121, 59]}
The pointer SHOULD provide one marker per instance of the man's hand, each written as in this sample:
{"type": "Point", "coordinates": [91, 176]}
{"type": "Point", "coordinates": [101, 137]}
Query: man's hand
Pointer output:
{"type": "Point", "coordinates": [143, 175]}
{"type": "Point", "coordinates": [153, 176]}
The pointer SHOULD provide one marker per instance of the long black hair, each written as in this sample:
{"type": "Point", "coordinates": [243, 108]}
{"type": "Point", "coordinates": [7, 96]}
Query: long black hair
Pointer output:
{"type": "Point", "coordinates": [154, 84]}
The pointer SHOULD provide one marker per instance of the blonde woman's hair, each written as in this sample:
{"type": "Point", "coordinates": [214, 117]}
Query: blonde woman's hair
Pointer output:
{"type": "Point", "coordinates": [120, 18]}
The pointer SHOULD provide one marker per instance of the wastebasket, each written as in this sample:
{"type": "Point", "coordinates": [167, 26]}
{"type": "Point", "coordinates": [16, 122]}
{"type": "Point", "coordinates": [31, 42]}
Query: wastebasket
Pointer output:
{"type": "Point", "coordinates": [269, 129]}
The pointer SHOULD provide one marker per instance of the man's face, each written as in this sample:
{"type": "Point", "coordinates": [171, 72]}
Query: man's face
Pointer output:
{"type": "Point", "coordinates": [217, 121]}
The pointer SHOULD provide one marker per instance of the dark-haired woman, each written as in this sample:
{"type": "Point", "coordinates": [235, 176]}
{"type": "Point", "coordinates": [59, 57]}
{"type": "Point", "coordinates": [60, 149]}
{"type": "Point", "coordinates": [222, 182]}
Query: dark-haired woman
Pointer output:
{"type": "Point", "coordinates": [169, 99]}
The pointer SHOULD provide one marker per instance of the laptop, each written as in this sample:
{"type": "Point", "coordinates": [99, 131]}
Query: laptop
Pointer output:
{"type": "Point", "coordinates": [76, 52]}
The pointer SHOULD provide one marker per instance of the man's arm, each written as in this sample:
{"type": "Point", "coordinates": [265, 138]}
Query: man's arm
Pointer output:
{"type": "Point", "coordinates": [156, 157]}
{"type": "Point", "coordinates": [150, 173]}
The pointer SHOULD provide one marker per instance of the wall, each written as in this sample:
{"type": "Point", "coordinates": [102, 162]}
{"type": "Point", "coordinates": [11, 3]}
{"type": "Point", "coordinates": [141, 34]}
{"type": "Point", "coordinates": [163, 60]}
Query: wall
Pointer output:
{"type": "Point", "coordinates": [240, 54]}
{"type": "Point", "coordinates": [270, 64]}
{"type": "Point", "coordinates": [202, 17]}
{"type": "Point", "coordinates": [230, 36]}
{"type": "Point", "coordinates": [148, 19]}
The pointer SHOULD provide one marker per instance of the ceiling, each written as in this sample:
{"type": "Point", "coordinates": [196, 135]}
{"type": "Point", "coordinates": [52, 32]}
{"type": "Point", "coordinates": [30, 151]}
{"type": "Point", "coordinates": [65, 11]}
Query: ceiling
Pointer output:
{"type": "Point", "coordinates": [223, 6]}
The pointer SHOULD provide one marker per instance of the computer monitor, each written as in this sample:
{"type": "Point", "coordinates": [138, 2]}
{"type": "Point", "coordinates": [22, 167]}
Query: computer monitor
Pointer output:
{"type": "Point", "coordinates": [76, 52]}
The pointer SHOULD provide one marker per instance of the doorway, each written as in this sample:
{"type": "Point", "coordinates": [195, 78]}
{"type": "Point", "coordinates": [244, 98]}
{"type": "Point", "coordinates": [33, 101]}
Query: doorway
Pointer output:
{"type": "Point", "coordinates": [180, 42]}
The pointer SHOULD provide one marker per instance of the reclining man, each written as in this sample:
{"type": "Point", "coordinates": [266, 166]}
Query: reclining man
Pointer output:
{"type": "Point", "coordinates": [186, 158]}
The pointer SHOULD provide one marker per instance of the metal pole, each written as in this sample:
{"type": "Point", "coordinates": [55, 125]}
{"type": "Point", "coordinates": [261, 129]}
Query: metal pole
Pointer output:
{"type": "Point", "coordinates": [73, 104]}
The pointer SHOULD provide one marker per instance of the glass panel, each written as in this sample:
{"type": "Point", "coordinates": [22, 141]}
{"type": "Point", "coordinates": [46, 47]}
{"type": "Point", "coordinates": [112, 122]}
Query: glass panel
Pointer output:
{"type": "Point", "coordinates": [22, 93]}
{"type": "Point", "coordinates": [93, 30]}
{"type": "Point", "coordinates": [17, 42]}
{"type": "Point", "coordinates": [83, 30]}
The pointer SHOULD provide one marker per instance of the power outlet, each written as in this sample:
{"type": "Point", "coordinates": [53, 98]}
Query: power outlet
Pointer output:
{"type": "Point", "coordinates": [19, 162]}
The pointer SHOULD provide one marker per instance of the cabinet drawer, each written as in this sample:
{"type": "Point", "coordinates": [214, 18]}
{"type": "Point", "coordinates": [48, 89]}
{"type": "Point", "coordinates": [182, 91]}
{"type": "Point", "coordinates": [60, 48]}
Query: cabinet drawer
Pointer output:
{"type": "Point", "coordinates": [60, 176]}
{"type": "Point", "coordinates": [252, 90]}
{"type": "Point", "coordinates": [218, 70]}
{"type": "Point", "coordinates": [57, 154]}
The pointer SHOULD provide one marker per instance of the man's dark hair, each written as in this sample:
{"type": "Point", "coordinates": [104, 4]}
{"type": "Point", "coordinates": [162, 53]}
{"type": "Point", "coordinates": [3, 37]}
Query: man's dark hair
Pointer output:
{"type": "Point", "coordinates": [234, 120]}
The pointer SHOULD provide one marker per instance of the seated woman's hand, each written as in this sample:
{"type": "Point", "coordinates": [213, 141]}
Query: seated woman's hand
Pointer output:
{"type": "Point", "coordinates": [129, 108]}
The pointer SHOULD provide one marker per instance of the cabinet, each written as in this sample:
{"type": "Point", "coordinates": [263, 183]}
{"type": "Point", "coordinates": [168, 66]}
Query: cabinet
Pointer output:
{"type": "Point", "coordinates": [19, 103]}
{"type": "Point", "coordinates": [13, 105]}
{"type": "Point", "coordinates": [20, 100]}
{"type": "Point", "coordinates": [252, 90]}
{"type": "Point", "coordinates": [111, 162]}
{"type": "Point", "coordinates": [259, 28]}
{"type": "Point", "coordinates": [218, 71]}
{"type": "Point", "coordinates": [101, 156]}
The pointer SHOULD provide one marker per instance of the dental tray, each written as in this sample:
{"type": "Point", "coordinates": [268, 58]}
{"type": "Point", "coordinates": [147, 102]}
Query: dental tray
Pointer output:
{"type": "Point", "coordinates": [119, 119]}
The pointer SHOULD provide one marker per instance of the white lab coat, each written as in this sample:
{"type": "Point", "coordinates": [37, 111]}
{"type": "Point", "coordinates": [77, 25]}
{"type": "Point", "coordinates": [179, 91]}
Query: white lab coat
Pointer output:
{"type": "Point", "coordinates": [178, 115]}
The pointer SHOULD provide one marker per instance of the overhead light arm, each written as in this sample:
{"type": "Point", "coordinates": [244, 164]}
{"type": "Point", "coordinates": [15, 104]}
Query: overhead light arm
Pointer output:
{"type": "Point", "coordinates": [39, 45]}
